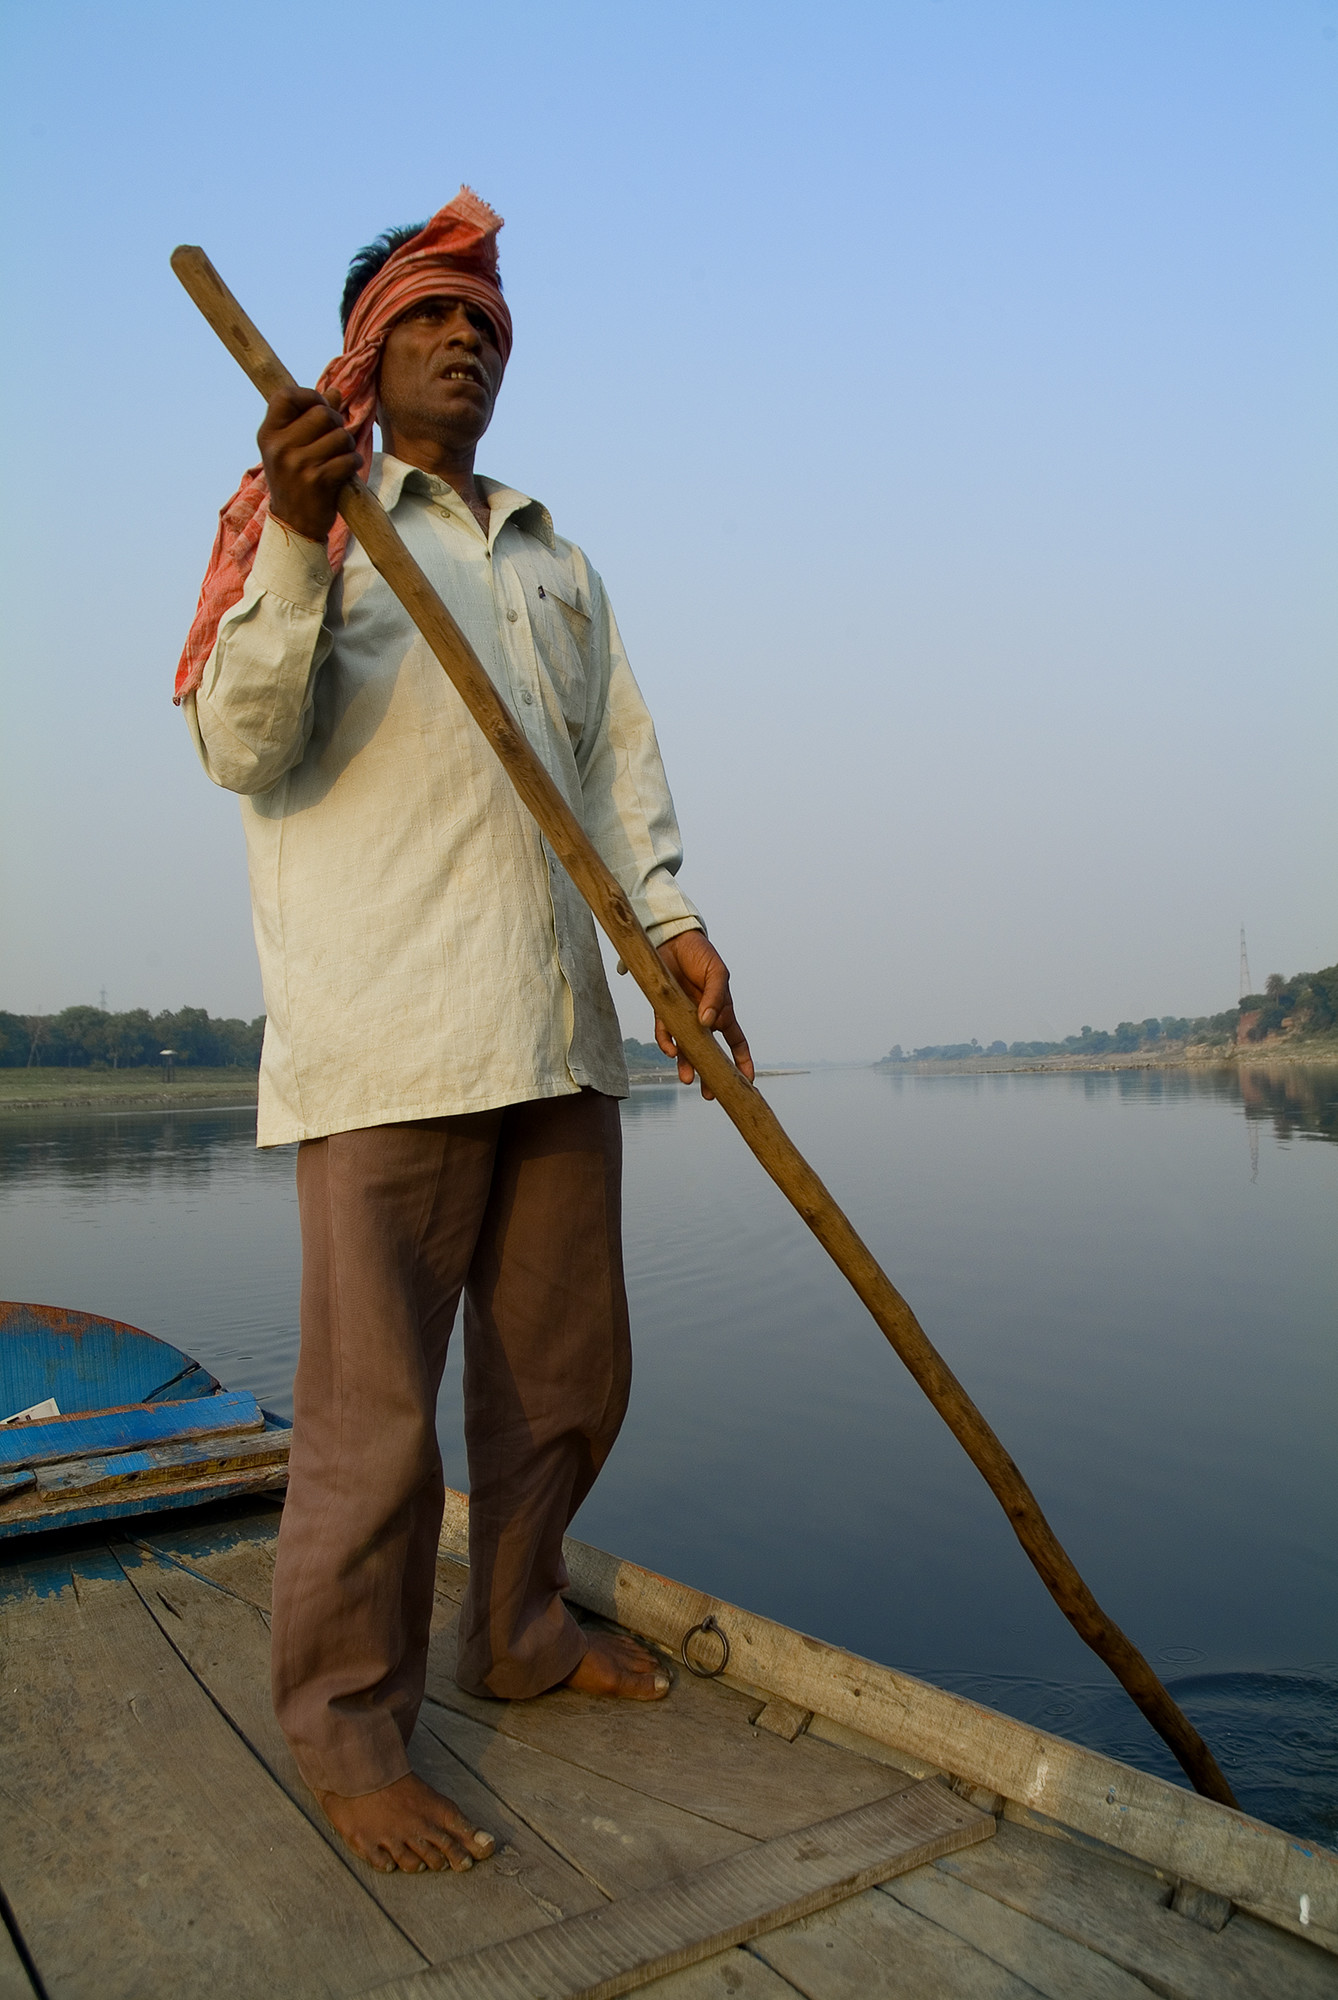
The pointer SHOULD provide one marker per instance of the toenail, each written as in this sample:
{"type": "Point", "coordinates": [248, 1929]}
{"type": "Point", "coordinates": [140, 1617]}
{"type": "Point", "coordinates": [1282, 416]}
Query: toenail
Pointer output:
{"type": "Point", "coordinates": [662, 1682]}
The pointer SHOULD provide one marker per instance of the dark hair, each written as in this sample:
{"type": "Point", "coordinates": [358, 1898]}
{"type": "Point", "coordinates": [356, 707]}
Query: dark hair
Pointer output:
{"type": "Point", "coordinates": [368, 262]}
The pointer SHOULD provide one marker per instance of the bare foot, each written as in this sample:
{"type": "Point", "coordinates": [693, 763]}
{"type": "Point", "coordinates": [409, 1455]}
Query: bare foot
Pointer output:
{"type": "Point", "coordinates": [618, 1666]}
{"type": "Point", "coordinates": [406, 1825]}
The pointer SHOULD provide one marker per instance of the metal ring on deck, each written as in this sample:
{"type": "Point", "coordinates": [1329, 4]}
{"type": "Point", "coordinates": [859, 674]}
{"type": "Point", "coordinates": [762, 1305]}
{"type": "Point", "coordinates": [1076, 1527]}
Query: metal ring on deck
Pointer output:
{"type": "Point", "coordinates": [708, 1624]}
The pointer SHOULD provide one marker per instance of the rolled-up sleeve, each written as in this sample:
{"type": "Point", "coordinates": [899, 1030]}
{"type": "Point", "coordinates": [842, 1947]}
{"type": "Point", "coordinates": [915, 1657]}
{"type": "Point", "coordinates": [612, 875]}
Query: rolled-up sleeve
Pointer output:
{"type": "Point", "coordinates": [627, 808]}
{"type": "Point", "coordinates": [251, 717]}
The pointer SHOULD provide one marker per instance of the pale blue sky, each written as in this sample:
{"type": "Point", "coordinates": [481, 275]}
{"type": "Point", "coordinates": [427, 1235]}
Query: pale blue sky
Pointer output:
{"type": "Point", "coordinates": [944, 389]}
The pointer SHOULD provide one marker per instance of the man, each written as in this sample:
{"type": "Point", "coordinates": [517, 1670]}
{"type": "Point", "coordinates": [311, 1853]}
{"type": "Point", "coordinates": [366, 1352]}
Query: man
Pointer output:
{"type": "Point", "coordinates": [440, 1036]}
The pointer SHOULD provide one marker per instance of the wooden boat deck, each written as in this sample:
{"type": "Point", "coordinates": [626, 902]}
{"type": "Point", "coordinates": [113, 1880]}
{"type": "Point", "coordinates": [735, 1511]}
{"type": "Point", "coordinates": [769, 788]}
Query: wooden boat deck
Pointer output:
{"type": "Point", "coordinates": [156, 1839]}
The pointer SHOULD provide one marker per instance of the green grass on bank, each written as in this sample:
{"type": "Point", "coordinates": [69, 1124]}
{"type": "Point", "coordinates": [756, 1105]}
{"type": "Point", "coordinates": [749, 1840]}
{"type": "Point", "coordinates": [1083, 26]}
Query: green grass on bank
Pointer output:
{"type": "Point", "coordinates": [41, 1088]}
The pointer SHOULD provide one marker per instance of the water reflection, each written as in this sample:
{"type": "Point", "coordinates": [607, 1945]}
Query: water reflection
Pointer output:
{"type": "Point", "coordinates": [138, 1148]}
{"type": "Point", "coordinates": [1294, 1098]}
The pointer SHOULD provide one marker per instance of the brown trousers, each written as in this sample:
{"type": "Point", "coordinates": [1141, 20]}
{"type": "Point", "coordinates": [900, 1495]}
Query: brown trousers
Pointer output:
{"type": "Point", "coordinates": [521, 1210]}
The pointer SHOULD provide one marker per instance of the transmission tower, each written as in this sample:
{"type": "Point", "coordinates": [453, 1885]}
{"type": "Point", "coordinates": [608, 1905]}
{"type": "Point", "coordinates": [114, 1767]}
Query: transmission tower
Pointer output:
{"type": "Point", "coordinates": [1245, 985]}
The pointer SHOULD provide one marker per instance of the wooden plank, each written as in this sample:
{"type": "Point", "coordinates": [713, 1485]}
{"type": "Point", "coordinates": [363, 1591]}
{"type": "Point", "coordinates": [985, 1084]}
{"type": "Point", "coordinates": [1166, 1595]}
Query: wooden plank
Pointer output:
{"type": "Point", "coordinates": [697, 1749]}
{"type": "Point", "coordinates": [1055, 1966]}
{"type": "Point", "coordinates": [226, 1644]}
{"type": "Point", "coordinates": [621, 1839]}
{"type": "Point", "coordinates": [97, 1431]}
{"type": "Point", "coordinates": [1213, 1912]}
{"type": "Point", "coordinates": [145, 1852]}
{"type": "Point", "coordinates": [14, 1981]}
{"type": "Point", "coordinates": [1256, 1866]}
{"type": "Point", "coordinates": [30, 1513]}
{"type": "Point", "coordinates": [874, 1949]}
{"type": "Point", "coordinates": [126, 1469]}
{"type": "Point", "coordinates": [639, 1938]}
{"type": "Point", "coordinates": [1125, 1915]}
{"type": "Point", "coordinates": [16, 1482]}
{"type": "Point", "coordinates": [730, 1975]}
{"type": "Point", "coordinates": [781, 1718]}
{"type": "Point", "coordinates": [237, 1555]}
{"type": "Point", "coordinates": [823, 1730]}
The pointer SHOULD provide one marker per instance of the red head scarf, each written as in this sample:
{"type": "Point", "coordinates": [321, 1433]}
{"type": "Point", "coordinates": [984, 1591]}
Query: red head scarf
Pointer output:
{"type": "Point", "coordinates": [454, 255]}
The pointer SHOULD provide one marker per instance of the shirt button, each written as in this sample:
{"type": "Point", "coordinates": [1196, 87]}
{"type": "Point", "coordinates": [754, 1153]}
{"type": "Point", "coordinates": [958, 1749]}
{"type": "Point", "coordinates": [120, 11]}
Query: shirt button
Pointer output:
{"type": "Point", "coordinates": [526, 697]}
{"type": "Point", "coordinates": [510, 617]}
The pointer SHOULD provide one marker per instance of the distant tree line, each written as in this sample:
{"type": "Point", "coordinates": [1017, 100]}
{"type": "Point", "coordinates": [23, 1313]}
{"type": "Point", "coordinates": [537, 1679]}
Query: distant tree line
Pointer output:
{"type": "Point", "coordinates": [639, 1054]}
{"type": "Point", "coordinates": [1306, 1004]}
{"type": "Point", "coordinates": [91, 1038]}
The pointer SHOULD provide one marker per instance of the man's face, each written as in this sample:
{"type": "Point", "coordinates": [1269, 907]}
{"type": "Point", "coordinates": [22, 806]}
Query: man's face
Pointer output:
{"type": "Point", "coordinates": [440, 373]}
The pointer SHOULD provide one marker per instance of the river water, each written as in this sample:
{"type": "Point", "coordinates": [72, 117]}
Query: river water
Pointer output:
{"type": "Point", "coordinates": [1134, 1273]}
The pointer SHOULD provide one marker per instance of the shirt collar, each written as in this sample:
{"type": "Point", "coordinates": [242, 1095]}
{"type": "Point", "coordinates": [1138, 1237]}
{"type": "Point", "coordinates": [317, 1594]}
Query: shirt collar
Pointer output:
{"type": "Point", "coordinates": [391, 477]}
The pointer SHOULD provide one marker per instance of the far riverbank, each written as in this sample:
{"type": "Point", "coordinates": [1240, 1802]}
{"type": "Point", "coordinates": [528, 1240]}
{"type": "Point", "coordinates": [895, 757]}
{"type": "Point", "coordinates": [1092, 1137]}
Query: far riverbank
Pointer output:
{"type": "Point", "coordinates": [24, 1091]}
{"type": "Point", "coordinates": [1266, 1055]}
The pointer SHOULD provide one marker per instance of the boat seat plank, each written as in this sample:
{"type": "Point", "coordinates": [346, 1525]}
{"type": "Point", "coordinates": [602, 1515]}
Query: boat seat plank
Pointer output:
{"type": "Point", "coordinates": [1056, 1966]}
{"type": "Point", "coordinates": [145, 1852]}
{"type": "Point", "coordinates": [696, 1749]}
{"type": "Point", "coordinates": [158, 1462]}
{"type": "Point", "coordinates": [620, 1838]}
{"type": "Point", "coordinates": [872, 1948]}
{"type": "Point", "coordinates": [623, 1947]}
{"type": "Point", "coordinates": [1126, 1916]}
{"type": "Point", "coordinates": [188, 1489]}
{"type": "Point", "coordinates": [226, 1644]}
{"type": "Point", "coordinates": [94, 1432]}
{"type": "Point", "coordinates": [730, 1975]}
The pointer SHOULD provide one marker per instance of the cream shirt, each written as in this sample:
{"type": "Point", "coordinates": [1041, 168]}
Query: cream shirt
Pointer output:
{"type": "Point", "coordinates": [423, 952]}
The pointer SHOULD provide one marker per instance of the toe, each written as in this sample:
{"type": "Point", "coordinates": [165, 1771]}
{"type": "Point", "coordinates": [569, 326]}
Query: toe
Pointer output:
{"type": "Point", "coordinates": [404, 1856]}
{"type": "Point", "coordinates": [472, 1840]}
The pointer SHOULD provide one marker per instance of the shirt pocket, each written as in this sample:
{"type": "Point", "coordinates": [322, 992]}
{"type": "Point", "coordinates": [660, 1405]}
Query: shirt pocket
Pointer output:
{"type": "Point", "coordinates": [561, 624]}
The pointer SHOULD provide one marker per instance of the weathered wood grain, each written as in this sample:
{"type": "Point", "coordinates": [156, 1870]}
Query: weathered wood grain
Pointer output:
{"type": "Point", "coordinates": [14, 1981]}
{"type": "Point", "coordinates": [781, 1718]}
{"type": "Point", "coordinates": [622, 1839]}
{"type": "Point", "coordinates": [146, 1853]}
{"type": "Point", "coordinates": [730, 1975]}
{"type": "Point", "coordinates": [31, 1511]}
{"type": "Point", "coordinates": [874, 1949]}
{"type": "Point", "coordinates": [92, 1432]}
{"type": "Point", "coordinates": [237, 1555]}
{"type": "Point", "coordinates": [622, 1947]}
{"type": "Point", "coordinates": [1126, 1916]}
{"type": "Point", "coordinates": [697, 1749]}
{"type": "Point", "coordinates": [226, 1644]}
{"type": "Point", "coordinates": [1055, 1966]}
{"type": "Point", "coordinates": [1256, 1866]}
{"type": "Point", "coordinates": [150, 1467]}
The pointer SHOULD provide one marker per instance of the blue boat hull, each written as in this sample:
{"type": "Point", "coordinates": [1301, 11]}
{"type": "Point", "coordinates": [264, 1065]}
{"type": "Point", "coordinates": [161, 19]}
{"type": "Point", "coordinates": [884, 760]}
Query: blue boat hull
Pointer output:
{"type": "Point", "coordinates": [131, 1425]}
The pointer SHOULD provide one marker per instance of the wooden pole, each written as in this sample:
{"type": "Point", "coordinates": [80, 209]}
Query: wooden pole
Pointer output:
{"type": "Point", "coordinates": [743, 1103]}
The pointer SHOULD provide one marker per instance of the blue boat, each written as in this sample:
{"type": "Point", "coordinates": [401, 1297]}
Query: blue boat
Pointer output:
{"type": "Point", "coordinates": [100, 1421]}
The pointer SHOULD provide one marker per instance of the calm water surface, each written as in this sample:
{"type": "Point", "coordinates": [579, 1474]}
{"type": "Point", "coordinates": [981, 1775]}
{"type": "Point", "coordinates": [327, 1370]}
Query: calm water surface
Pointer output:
{"type": "Point", "coordinates": [1135, 1274]}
